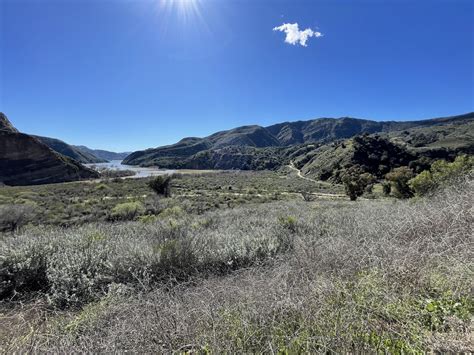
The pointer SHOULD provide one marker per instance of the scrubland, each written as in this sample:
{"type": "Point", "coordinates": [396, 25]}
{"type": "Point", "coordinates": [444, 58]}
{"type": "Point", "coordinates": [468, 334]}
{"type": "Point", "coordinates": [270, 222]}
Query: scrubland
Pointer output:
{"type": "Point", "coordinates": [272, 276]}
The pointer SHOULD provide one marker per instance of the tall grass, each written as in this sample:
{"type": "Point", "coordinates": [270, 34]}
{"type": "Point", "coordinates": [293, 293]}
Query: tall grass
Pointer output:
{"type": "Point", "coordinates": [387, 276]}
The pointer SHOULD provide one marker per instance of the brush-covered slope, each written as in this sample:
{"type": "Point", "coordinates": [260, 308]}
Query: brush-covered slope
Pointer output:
{"type": "Point", "coordinates": [330, 129]}
{"type": "Point", "coordinates": [228, 148]}
{"type": "Point", "coordinates": [70, 151]}
{"type": "Point", "coordinates": [372, 154]}
{"type": "Point", "coordinates": [173, 155]}
{"type": "Point", "coordinates": [450, 135]}
{"type": "Point", "coordinates": [24, 160]}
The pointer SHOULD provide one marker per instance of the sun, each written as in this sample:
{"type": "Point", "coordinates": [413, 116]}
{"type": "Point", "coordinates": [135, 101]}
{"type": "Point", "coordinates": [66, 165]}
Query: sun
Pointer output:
{"type": "Point", "coordinates": [185, 9]}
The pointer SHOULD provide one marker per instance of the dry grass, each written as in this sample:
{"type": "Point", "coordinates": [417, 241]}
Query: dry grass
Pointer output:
{"type": "Point", "coordinates": [386, 276]}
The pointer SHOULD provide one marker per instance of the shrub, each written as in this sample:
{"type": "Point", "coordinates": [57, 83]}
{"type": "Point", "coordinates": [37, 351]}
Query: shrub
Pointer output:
{"type": "Point", "coordinates": [399, 178]}
{"type": "Point", "coordinates": [386, 188]}
{"type": "Point", "coordinates": [110, 173]}
{"type": "Point", "coordinates": [423, 183]}
{"type": "Point", "coordinates": [288, 222]}
{"type": "Point", "coordinates": [355, 182]}
{"type": "Point", "coordinates": [161, 185]}
{"type": "Point", "coordinates": [440, 174]}
{"type": "Point", "coordinates": [13, 217]}
{"type": "Point", "coordinates": [127, 211]}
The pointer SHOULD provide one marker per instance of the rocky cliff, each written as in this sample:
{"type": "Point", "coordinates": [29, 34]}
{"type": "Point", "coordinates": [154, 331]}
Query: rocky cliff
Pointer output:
{"type": "Point", "coordinates": [24, 160]}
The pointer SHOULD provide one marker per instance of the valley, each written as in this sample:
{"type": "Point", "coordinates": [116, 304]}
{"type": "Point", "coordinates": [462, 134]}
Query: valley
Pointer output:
{"type": "Point", "coordinates": [205, 177]}
{"type": "Point", "coordinates": [249, 240]}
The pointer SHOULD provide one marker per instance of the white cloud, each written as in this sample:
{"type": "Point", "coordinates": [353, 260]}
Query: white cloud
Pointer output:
{"type": "Point", "coordinates": [294, 36]}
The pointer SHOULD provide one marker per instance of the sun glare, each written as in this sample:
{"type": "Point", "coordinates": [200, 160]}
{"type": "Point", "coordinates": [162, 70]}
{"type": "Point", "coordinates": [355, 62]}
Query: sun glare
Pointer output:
{"type": "Point", "coordinates": [186, 9]}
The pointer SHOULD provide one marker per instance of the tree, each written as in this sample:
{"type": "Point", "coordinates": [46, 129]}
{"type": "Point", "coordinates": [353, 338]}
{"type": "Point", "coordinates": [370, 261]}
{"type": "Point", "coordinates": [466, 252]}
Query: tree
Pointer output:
{"type": "Point", "coordinates": [399, 177]}
{"type": "Point", "coordinates": [355, 182]}
{"type": "Point", "coordinates": [161, 185]}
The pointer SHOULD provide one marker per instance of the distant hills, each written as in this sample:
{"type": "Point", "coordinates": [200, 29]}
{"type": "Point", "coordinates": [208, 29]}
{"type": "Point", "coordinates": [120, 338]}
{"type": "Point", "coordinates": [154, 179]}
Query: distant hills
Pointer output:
{"type": "Point", "coordinates": [26, 160]}
{"type": "Point", "coordinates": [103, 155]}
{"type": "Point", "coordinates": [80, 155]}
{"type": "Point", "coordinates": [322, 148]}
{"type": "Point", "coordinates": [256, 147]}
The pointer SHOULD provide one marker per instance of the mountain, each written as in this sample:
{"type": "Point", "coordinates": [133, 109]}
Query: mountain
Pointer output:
{"type": "Point", "coordinates": [234, 148]}
{"type": "Point", "coordinates": [25, 160]}
{"type": "Point", "coordinates": [102, 154]}
{"type": "Point", "coordinates": [330, 129]}
{"type": "Point", "coordinates": [173, 155]}
{"type": "Point", "coordinates": [70, 151]}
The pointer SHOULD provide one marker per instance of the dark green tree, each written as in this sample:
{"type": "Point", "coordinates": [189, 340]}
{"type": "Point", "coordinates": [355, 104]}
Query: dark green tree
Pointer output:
{"type": "Point", "coordinates": [161, 185]}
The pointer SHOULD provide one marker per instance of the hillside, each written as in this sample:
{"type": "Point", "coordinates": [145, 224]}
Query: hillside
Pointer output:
{"type": "Point", "coordinates": [24, 160]}
{"type": "Point", "coordinates": [374, 155]}
{"type": "Point", "coordinates": [173, 155]}
{"type": "Point", "coordinates": [70, 151]}
{"type": "Point", "coordinates": [240, 147]}
{"type": "Point", "coordinates": [102, 154]}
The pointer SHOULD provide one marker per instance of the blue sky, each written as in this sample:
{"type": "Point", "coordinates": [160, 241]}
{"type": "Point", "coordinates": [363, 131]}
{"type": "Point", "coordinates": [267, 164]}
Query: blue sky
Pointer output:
{"type": "Point", "coordinates": [128, 75]}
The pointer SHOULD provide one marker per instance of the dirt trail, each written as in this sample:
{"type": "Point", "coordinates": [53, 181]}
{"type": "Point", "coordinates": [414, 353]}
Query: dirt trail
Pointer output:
{"type": "Point", "coordinates": [298, 172]}
{"type": "Point", "coordinates": [319, 194]}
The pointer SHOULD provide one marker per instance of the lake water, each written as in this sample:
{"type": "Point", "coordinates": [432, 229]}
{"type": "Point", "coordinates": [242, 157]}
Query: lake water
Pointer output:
{"type": "Point", "coordinates": [140, 171]}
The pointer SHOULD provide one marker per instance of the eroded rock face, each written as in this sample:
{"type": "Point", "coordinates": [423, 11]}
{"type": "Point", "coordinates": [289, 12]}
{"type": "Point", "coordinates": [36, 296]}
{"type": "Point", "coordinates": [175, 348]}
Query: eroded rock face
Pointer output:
{"type": "Point", "coordinates": [5, 124]}
{"type": "Point", "coordinates": [26, 161]}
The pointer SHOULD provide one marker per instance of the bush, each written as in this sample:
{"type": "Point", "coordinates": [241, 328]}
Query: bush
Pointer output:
{"type": "Point", "coordinates": [356, 183]}
{"type": "Point", "coordinates": [13, 217]}
{"type": "Point", "coordinates": [440, 174]}
{"type": "Point", "coordinates": [109, 173]}
{"type": "Point", "coordinates": [386, 188]}
{"type": "Point", "coordinates": [161, 185]}
{"type": "Point", "coordinates": [399, 178]}
{"type": "Point", "coordinates": [127, 211]}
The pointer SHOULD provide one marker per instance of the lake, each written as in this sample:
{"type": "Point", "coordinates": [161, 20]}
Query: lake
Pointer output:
{"type": "Point", "coordinates": [140, 171]}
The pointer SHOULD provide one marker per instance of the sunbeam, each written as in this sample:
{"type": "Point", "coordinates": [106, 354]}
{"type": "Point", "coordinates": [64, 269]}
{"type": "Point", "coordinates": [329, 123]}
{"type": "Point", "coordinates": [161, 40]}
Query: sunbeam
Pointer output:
{"type": "Point", "coordinates": [185, 9]}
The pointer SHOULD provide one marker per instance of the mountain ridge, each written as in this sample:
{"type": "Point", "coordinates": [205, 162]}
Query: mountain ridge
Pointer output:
{"type": "Point", "coordinates": [70, 151]}
{"type": "Point", "coordinates": [102, 154]}
{"type": "Point", "coordinates": [321, 130]}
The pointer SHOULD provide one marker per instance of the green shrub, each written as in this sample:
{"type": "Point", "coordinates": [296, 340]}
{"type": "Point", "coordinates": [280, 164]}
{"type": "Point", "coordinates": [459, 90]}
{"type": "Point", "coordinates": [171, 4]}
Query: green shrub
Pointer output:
{"type": "Point", "coordinates": [127, 211]}
{"type": "Point", "coordinates": [399, 178]}
{"type": "Point", "coordinates": [355, 182]}
{"type": "Point", "coordinates": [423, 183]}
{"type": "Point", "coordinates": [440, 174]}
{"type": "Point", "coordinates": [289, 223]}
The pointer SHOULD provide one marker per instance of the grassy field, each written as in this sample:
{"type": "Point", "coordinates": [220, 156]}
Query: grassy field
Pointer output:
{"type": "Point", "coordinates": [237, 262]}
{"type": "Point", "coordinates": [91, 201]}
